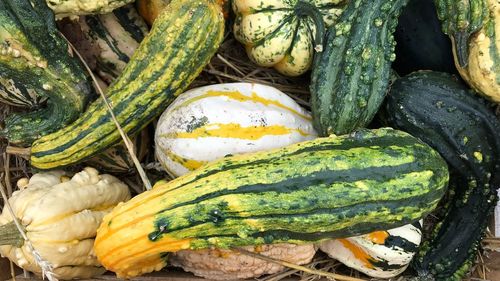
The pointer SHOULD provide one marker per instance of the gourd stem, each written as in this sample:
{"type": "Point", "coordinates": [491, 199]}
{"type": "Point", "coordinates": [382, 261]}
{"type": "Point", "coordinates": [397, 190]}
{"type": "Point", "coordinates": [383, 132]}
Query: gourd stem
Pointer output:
{"type": "Point", "coordinates": [462, 47]}
{"type": "Point", "coordinates": [9, 235]}
{"type": "Point", "coordinates": [305, 9]}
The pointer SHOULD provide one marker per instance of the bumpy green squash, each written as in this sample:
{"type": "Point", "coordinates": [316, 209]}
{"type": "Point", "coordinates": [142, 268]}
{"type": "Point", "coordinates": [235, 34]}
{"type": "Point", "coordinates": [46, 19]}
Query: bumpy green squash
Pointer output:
{"type": "Point", "coordinates": [35, 56]}
{"type": "Point", "coordinates": [351, 75]}
{"type": "Point", "coordinates": [168, 59]}
{"type": "Point", "coordinates": [460, 19]}
{"type": "Point", "coordinates": [310, 191]}
{"type": "Point", "coordinates": [442, 112]}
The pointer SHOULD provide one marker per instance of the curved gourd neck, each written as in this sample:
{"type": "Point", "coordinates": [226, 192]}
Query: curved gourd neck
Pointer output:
{"type": "Point", "coordinates": [305, 9]}
{"type": "Point", "coordinates": [9, 235]}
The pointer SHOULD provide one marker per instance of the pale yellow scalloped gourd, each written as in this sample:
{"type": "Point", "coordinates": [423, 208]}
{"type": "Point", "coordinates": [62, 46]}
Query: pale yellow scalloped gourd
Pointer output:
{"type": "Point", "coordinates": [67, 8]}
{"type": "Point", "coordinates": [60, 216]}
{"type": "Point", "coordinates": [284, 33]}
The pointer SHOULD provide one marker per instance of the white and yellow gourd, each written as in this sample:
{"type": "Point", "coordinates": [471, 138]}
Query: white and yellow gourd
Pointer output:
{"type": "Point", "coordinates": [284, 33]}
{"type": "Point", "coordinates": [380, 254]}
{"type": "Point", "coordinates": [208, 123]}
{"type": "Point", "coordinates": [60, 217]}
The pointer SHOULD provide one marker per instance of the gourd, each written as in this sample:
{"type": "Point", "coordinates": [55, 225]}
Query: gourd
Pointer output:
{"type": "Point", "coordinates": [38, 60]}
{"type": "Point", "coordinates": [482, 57]}
{"type": "Point", "coordinates": [68, 8]}
{"type": "Point", "coordinates": [332, 187]}
{"type": "Point", "coordinates": [150, 9]}
{"type": "Point", "coordinates": [284, 34]}
{"type": "Point", "coordinates": [60, 217]}
{"type": "Point", "coordinates": [194, 130]}
{"type": "Point", "coordinates": [160, 69]}
{"type": "Point", "coordinates": [117, 35]}
{"type": "Point", "coordinates": [220, 264]}
{"type": "Point", "coordinates": [117, 159]}
{"type": "Point", "coordinates": [442, 112]}
{"type": "Point", "coordinates": [18, 95]}
{"type": "Point", "coordinates": [380, 254]}
{"type": "Point", "coordinates": [419, 37]}
{"type": "Point", "coordinates": [460, 19]}
{"type": "Point", "coordinates": [350, 77]}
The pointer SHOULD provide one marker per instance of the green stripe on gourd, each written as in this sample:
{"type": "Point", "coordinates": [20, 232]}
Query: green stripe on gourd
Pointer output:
{"type": "Point", "coordinates": [460, 19]}
{"type": "Point", "coordinates": [117, 35]}
{"type": "Point", "coordinates": [166, 62]}
{"type": "Point", "coordinates": [67, 8]}
{"type": "Point", "coordinates": [36, 56]}
{"type": "Point", "coordinates": [350, 77]}
{"type": "Point", "coordinates": [324, 188]}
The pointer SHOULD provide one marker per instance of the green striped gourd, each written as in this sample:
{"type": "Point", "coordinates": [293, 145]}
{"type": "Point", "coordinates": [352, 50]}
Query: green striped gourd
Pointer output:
{"type": "Point", "coordinates": [37, 58]}
{"type": "Point", "coordinates": [167, 60]}
{"type": "Point", "coordinates": [482, 71]}
{"type": "Point", "coordinates": [325, 188]}
{"type": "Point", "coordinates": [68, 8]}
{"type": "Point", "coordinates": [18, 95]}
{"type": "Point", "coordinates": [441, 111]}
{"type": "Point", "coordinates": [117, 159]}
{"type": "Point", "coordinates": [194, 130]}
{"type": "Point", "coordinates": [460, 19]}
{"type": "Point", "coordinates": [350, 77]}
{"type": "Point", "coordinates": [380, 254]}
{"type": "Point", "coordinates": [117, 35]}
{"type": "Point", "coordinates": [284, 34]}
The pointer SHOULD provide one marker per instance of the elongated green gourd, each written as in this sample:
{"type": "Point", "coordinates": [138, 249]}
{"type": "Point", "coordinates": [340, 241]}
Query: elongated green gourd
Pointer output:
{"type": "Point", "coordinates": [441, 111]}
{"type": "Point", "coordinates": [37, 58]}
{"type": "Point", "coordinates": [310, 191]}
{"type": "Point", "coordinates": [351, 75]}
{"type": "Point", "coordinates": [168, 59]}
{"type": "Point", "coordinates": [460, 19]}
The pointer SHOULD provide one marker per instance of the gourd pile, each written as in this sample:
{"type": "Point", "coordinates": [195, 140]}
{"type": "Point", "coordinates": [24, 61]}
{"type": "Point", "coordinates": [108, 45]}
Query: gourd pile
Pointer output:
{"type": "Point", "coordinates": [386, 135]}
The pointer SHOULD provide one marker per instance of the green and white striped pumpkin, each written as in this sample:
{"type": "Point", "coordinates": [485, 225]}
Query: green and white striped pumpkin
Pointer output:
{"type": "Point", "coordinates": [380, 254]}
{"type": "Point", "coordinates": [284, 33]}
{"type": "Point", "coordinates": [208, 123]}
{"type": "Point", "coordinates": [117, 35]}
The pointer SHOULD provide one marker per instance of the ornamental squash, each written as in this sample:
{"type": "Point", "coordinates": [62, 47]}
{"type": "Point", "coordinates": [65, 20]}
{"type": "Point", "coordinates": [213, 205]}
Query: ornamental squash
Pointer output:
{"type": "Point", "coordinates": [324, 188]}
{"type": "Point", "coordinates": [18, 95]}
{"type": "Point", "coordinates": [150, 9]}
{"type": "Point", "coordinates": [116, 35]}
{"type": "Point", "coordinates": [460, 19]}
{"type": "Point", "coordinates": [350, 77]}
{"type": "Point", "coordinates": [284, 34]}
{"type": "Point", "coordinates": [39, 61]}
{"type": "Point", "coordinates": [380, 254]}
{"type": "Point", "coordinates": [194, 130]}
{"type": "Point", "coordinates": [60, 216]}
{"type": "Point", "coordinates": [482, 69]}
{"type": "Point", "coordinates": [220, 264]}
{"type": "Point", "coordinates": [67, 8]}
{"type": "Point", "coordinates": [440, 110]}
{"type": "Point", "coordinates": [166, 62]}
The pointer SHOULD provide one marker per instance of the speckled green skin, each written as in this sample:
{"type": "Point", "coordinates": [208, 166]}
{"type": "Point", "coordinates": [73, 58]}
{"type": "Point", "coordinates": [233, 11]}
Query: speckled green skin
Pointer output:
{"type": "Point", "coordinates": [168, 59]}
{"type": "Point", "coordinates": [439, 110]}
{"type": "Point", "coordinates": [351, 75]}
{"type": "Point", "coordinates": [34, 54]}
{"type": "Point", "coordinates": [460, 19]}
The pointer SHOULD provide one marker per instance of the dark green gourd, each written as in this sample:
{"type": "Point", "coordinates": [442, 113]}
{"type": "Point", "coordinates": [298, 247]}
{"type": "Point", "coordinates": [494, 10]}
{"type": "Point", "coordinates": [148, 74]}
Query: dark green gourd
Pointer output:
{"type": "Point", "coordinates": [37, 58]}
{"type": "Point", "coordinates": [350, 76]}
{"type": "Point", "coordinates": [441, 111]}
{"type": "Point", "coordinates": [460, 19]}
